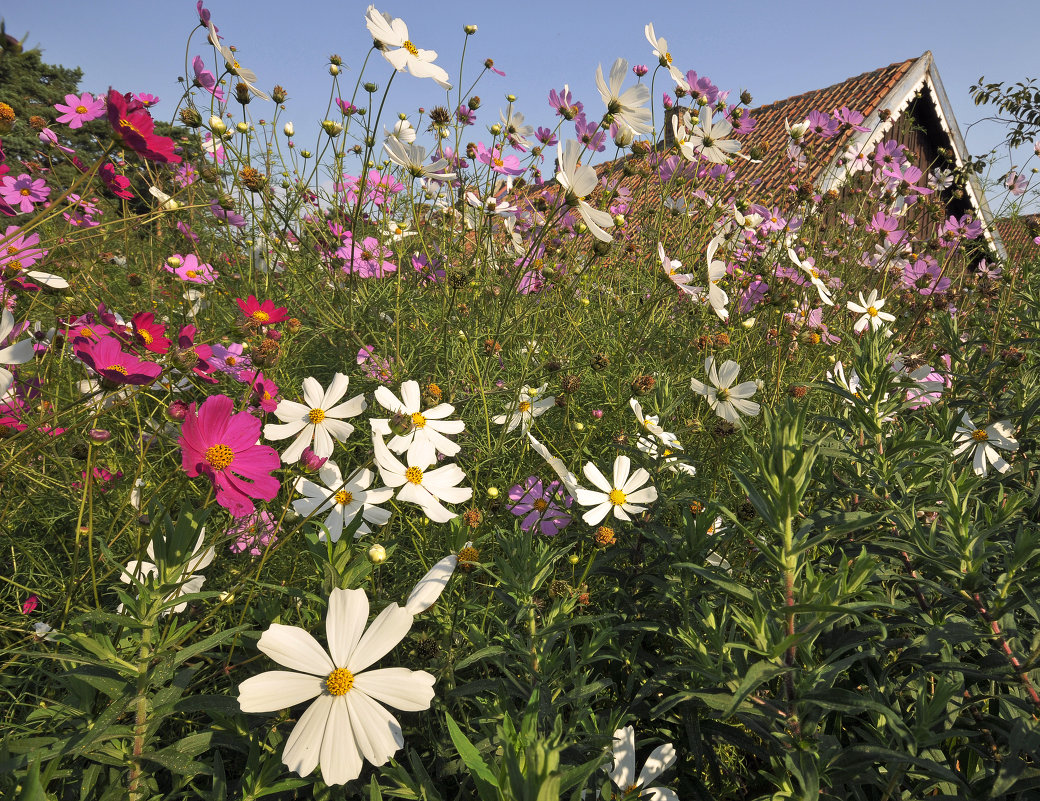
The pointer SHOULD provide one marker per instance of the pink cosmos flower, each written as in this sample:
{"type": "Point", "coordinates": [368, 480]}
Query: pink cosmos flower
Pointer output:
{"type": "Point", "coordinates": [265, 313]}
{"type": "Point", "coordinates": [540, 506]}
{"type": "Point", "coordinates": [190, 269]}
{"type": "Point", "coordinates": [205, 79]}
{"type": "Point", "coordinates": [222, 446]}
{"type": "Point", "coordinates": [78, 110]}
{"type": "Point", "coordinates": [264, 392]}
{"type": "Point", "coordinates": [48, 137]}
{"type": "Point", "coordinates": [375, 367]}
{"type": "Point", "coordinates": [367, 260]}
{"type": "Point", "coordinates": [230, 359]}
{"type": "Point", "coordinates": [564, 103]}
{"type": "Point", "coordinates": [22, 193]}
{"type": "Point", "coordinates": [640, 70]}
{"type": "Point", "coordinates": [108, 359]}
{"type": "Point", "coordinates": [146, 99]}
{"type": "Point", "coordinates": [504, 165]}
{"type": "Point", "coordinates": [194, 357]}
{"type": "Point", "coordinates": [149, 334]}
{"type": "Point", "coordinates": [254, 533]}
{"type": "Point", "coordinates": [118, 185]}
{"type": "Point", "coordinates": [132, 123]}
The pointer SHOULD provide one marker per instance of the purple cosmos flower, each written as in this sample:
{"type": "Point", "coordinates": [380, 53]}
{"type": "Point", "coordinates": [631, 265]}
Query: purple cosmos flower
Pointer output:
{"type": "Point", "coordinates": [375, 367]}
{"type": "Point", "coordinates": [823, 125]}
{"type": "Point", "coordinates": [888, 152]}
{"type": "Point", "coordinates": [1016, 182]}
{"type": "Point", "coordinates": [502, 164]}
{"type": "Point", "coordinates": [589, 134]}
{"type": "Point", "coordinates": [752, 296]}
{"type": "Point", "coordinates": [850, 117]}
{"type": "Point", "coordinates": [465, 115]}
{"type": "Point", "coordinates": [666, 100]}
{"type": "Point", "coordinates": [205, 79]}
{"type": "Point", "coordinates": [229, 359]}
{"type": "Point", "coordinates": [230, 217]}
{"type": "Point", "coordinates": [368, 259]}
{"type": "Point", "coordinates": [540, 506]}
{"type": "Point", "coordinates": [429, 273]}
{"type": "Point", "coordinates": [185, 229]}
{"type": "Point", "coordinates": [565, 104]}
{"type": "Point", "coordinates": [146, 99]}
{"type": "Point", "coordinates": [254, 533]}
{"type": "Point", "coordinates": [345, 108]}
{"type": "Point", "coordinates": [78, 110]}
{"type": "Point", "coordinates": [23, 192]}
{"type": "Point", "coordinates": [702, 87]}
{"type": "Point", "coordinates": [640, 70]}
{"type": "Point", "coordinates": [922, 273]}
{"type": "Point", "coordinates": [189, 268]}
{"type": "Point", "coordinates": [546, 137]}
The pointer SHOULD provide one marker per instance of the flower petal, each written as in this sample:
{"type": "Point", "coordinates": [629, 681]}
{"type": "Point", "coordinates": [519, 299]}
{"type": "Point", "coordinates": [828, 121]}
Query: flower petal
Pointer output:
{"type": "Point", "coordinates": [278, 689]}
{"type": "Point", "coordinates": [292, 647]}
{"type": "Point", "coordinates": [377, 732]}
{"type": "Point", "coordinates": [303, 748]}
{"type": "Point", "coordinates": [401, 688]}
{"type": "Point", "coordinates": [386, 631]}
{"type": "Point", "coordinates": [348, 614]}
{"type": "Point", "coordinates": [341, 760]}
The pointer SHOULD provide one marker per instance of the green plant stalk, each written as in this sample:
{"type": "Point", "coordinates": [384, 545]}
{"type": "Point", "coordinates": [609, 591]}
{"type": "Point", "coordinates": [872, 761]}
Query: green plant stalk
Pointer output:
{"type": "Point", "coordinates": [136, 791]}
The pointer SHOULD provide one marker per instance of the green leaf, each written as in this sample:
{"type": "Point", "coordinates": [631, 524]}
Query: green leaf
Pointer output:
{"type": "Point", "coordinates": [32, 788]}
{"type": "Point", "coordinates": [487, 784]}
{"type": "Point", "coordinates": [759, 673]}
{"type": "Point", "coordinates": [374, 793]}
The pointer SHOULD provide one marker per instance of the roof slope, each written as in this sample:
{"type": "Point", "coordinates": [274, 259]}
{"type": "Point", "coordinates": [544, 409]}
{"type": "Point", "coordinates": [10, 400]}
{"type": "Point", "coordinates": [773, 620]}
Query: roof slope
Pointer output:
{"type": "Point", "coordinates": [1018, 233]}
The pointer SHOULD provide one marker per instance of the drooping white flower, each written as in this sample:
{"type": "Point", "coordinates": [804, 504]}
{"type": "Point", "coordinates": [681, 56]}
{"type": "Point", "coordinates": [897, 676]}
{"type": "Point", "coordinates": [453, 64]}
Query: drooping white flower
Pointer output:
{"type": "Point", "coordinates": [623, 494]}
{"type": "Point", "coordinates": [870, 308]}
{"type": "Point", "coordinates": [430, 586]}
{"type": "Point", "coordinates": [671, 269]}
{"type": "Point", "coordinates": [664, 58]}
{"type": "Point", "coordinates": [567, 478]}
{"type": "Point", "coordinates": [628, 107]}
{"type": "Point", "coordinates": [346, 724]}
{"type": "Point", "coordinates": [985, 442]}
{"type": "Point", "coordinates": [623, 773]}
{"type": "Point", "coordinates": [397, 48]}
{"type": "Point", "coordinates": [814, 276]}
{"type": "Point", "coordinates": [418, 485]}
{"type": "Point", "coordinates": [412, 159]}
{"type": "Point", "coordinates": [528, 405]}
{"type": "Point", "coordinates": [578, 183]}
{"type": "Point", "coordinates": [427, 428]}
{"type": "Point", "coordinates": [717, 296]}
{"type": "Point", "coordinates": [166, 202]}
{"type": "Point", "coordinates": [651, 423]}
{"type": "Point", "coordinates": [729, 402]}
{"type": "Point", "coordinates": [200, 559]}
{"type": "Point", "coordinates": [18, 353]}
{"type": "Point", "coordinates": [320, 420]}
{"type": "Point", "coordinates": [248, 77]}
{"type": "Point", "coordinates": [343, 500]}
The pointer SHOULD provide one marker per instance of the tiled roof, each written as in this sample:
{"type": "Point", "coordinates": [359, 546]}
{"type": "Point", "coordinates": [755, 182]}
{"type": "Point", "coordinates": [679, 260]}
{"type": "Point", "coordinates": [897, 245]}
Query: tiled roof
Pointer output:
{"type": "Point", "coordinates": [864, 94]}
{"type": "Point", "coordinates": [1018, 233]}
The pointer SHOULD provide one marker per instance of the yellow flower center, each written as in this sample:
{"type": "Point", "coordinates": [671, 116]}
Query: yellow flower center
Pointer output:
{"type": "Point", "coordinates": [410, 47]}
{"type": "Point", "coordinates": [525, 406]}
{"type": "Point", "coordinates": [418, 420]}
{"type": "Point", "coordinates": [617, 497]}
{"type": "Point", "coordinates": [414, 475]}
{"type": "Point", "coordinates": [130, 125]}
{"type": "Point", "coordinates": [231, 361]}
{"type": "Point", "coordinates": [260, 316]}
{"type": "Point", "coordinates": [316, 415]}
{"type": "Point", "coordinates": [814, 272]}
{"type": "Point", "coordinates": [13, 266]}
{"type": "Point", "coordinates": [497, 162]}
{"type": "Point", "coordinates": [219, 456]}
{"type": "Point", "coordinates": [81, 109]}
{"type": "Point", "coordinates": [540, 504]}
{"type": "Point", "coordinates": [872, 311]}
{"type": "Point", "coordinates": [468, 554]}
{"type": "Point", "coordinates": [814, 338]}
{"type": "Point", "coordinates": [339, 682]}
{"type": "Point", "coordinates": [191, 273]}
{"type": "Point", "coordinates": [980, 435]}
{"type": "Point", "coordinates": [145, 337]}
{"type": "Point", "coordinates": [668, 57]}
{"type": "Point", "coordinates": [25, 192]}
{"type": "Point", "coordinates": [343, 497]}
{"type": "Point", "coordinates": [117, 367]}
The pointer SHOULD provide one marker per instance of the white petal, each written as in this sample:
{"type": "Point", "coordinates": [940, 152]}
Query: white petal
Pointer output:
{"type": "Point", "coordinates": [386, 631]}
{"type": "Point", "coordinates": [292, 647]}
{"type": "Point", "coordinates": [430, 586]}
{"type": "Point", "coordinates": [623, 773]}
{"type": "Point", "coordinates": [376, 731]}
{"type": "Point", "coordinates": [348, 614]}
{"type": "Point", "coordinates": [303, 748]}
{"type": "Point", "coordinates": [278, 689]}
{"type": "Point", "coordinates": [341, 760]}
{"type": "Point", "coordinates": [660, 759]}
{"type": "Point", "coordinates": [401, 688]}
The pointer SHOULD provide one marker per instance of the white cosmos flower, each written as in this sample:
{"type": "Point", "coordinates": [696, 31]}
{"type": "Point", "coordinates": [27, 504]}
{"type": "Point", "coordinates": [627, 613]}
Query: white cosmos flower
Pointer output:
{"type": "Point", "coordinates": [412, 159]}
{"type": "Point", "coordinates": [320, 420]}
{"type": "Point", "coordinates": [528, 405]}
{"type": "Point", "coordinates": [623, 774]}
{"type": "Point", "coordinates": [248, 77]}
{"type": "Point", "coordinates": [428, 427]}
{"type": "Point", "coordinates": [706, 139]}
{"type": "Point", "coordinates": [166, 202]}
{"type": "Point", "coordinates": [870, 309]}
{"type": "Point", "coordinates": [664, 58]}
{"type": "Point", "coordinates": [628, 107]}
{"type": "Point", "coordinates": [200, 558]}
{"type": "Point", "coordinates": [425, 488]}
{"type": "Point", "coordinates": [430, 586]}
{"type": "Point", "coordinates": [18, 353]}
{"type": "Point", "coordinates": [345, 724]}
{"type": "Point", "coordinates": [814, 276]}
{"type": "Point", "coordinates": [651, 424]}
{"type": "Point", "coordinates": [515, 129]}
{"type": "Point", "coordinates": [567, 478]}
{"type": "Point", "coordinates": [343, 500]}
{"type": "Point", "coordinates": [671, 269]}
{"type": "Point", "coordinates": [398, 49]}
{"type": "Point", "coordinates": [985, 441]}
{"type": "Point", "coordinates": [729, 402]}
{"type": "Point", "coordinates": [402, 132]}
{"type": "Point", "coordinates": [578, 182]}
{"type": "Point", "coordinates": [621, 495]}
{"type": "Point", "coordinates": [717, 296]}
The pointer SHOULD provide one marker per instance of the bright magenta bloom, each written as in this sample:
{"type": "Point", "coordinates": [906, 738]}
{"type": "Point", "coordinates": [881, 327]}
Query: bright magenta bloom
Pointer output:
{"type": "Point", "coordinates": [23, 192]}
{"type": "Point", "coordinates": [108, 359]}
{"type": "Point", "coordinates": [78, 110]}
{"type": "Point", "coordinates": [222, 446]}
{"type": "Point", "coordinates": [265, 313]}
{"type": "Point", "coordinates": [190, 269]}
{"type": "Point", "coordinates": [149, 334]}
{"type": "Point", "coordinates": [134, 126]}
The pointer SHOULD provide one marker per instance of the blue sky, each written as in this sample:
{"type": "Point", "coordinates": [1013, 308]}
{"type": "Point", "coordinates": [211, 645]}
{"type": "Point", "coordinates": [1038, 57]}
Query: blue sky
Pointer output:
{"type": "Point", "coordinates": [774, 49]}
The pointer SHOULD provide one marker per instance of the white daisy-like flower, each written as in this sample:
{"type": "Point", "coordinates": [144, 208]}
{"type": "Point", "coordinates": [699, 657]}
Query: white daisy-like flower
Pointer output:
{"type": "Point", "coordinates": [671, 269]}
{"type": "Point", "coordinates": [529, 404]}
{"type": "Point", "coordinates": [201, 557]}
{"type": "Point", "coordinates": [705, 139]}
{"type": "Point", "coordinates": [870, 308]}
{"type": "Point", "coordinates": [430, 586]}
{"type": "Point", "coordinates": [18, 353]}
{"type": "Point", "coordinates": [578, 183]}
{"type": "Point", "coordinates": [402, 132]}
{"type": "Point", "coordinates": [398, 49]}
{"type": "Point", "coordinates": [343, 500]}
{"type": "Point", "coordinates": [319, 420]}
{"type": "Point", "coordinates": [425, 488]}
{"type": "Point", "coordinates": [567, 478]}
{"type": "Point", "coordinates": [814, 275]}
{"type": "Point", "coordinates": [346, 724]}
{"type": "Point", "coordinates": [717, 296]}
{"type": "Point", "coordinates": [659, 451]}
{"type": "Point", "coordinates": [412, 159]}
{"type": "Point", "coordinates": [664, 58]}
{"type": "Point", "coordinates": [985, 442]}
{"type": "Point", "coordinates": [651, 423]}
{"type": "Point", "coordinates": [728, 401]}
{"type": "Point", "coordinates": [516, 130]}
{"type": "Point", "coordinates": [622, 495]}
{"type": "Point", "coordinates": [248, 77]}
{"type": "Point", "coordinates": [849, 382]}
{"type": "Point", "coordinates": [628, 107]}
{"type": "Point", "coordinates": [426, 428]}
{"type": "Point", "coordinates": [623, 773]}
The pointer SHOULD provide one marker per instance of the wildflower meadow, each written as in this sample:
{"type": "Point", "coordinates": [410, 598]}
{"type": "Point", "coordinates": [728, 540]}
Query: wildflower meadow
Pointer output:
{"type": "Point", "coordinates": [444, 456]}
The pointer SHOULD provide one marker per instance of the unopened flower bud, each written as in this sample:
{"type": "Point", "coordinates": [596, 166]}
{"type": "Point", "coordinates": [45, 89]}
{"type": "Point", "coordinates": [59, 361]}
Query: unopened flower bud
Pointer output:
{"type": "Point", "coordinates": [174, 261]}
{"type": "Point", "coordinates": [217, 125]}
{"type": "Point", "coordinates": [306, 153]}
{"type": "Point", "coordinates": [177, 411]}
{"type": "Point", "coordinates": [401, 424]}
{"type": "Point", "coordinates": [370, 87]}
{"type": "Point", "coordinates": [511, 98]}
{"type": "Point", "coordinates": [496, 129]}
{"type": "Point", "coordinates": [279, 95]}
{"type": "Point", "coordinates": [332, 128]}
{"type": "Point", "coordinates": [469, 30]}
{"type": "Point", "coordinates": [311, 462]}
{"type": "Point", "coordinates": [191, 117]}
{"type": "Point", "coordinates": [377, 554]}
{"type": "Point", "coordinates": [99, 436]}
{"type": "Point", "coordinates": [492, 492]}
{"type": "Point", "coordinates": [288, 129]}
{"type": "Point", "coordinates": [242, 127]}
{"type": "Point", "coordinates": [333, 70]}
{"type": "Point", "coordinates": [473, 103]}
{"type": "Point", "coordinates": [573, 558]}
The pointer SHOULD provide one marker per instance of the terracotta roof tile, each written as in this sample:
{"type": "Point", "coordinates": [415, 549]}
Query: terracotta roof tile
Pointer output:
{"type": "Point", "coordinates": [1017, 234]}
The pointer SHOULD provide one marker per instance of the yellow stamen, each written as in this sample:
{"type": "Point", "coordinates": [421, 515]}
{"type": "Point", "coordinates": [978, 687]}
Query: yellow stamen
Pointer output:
{"type": "Point", "coordinates": [617, 497]}
{"type": "Point", "coordinates": [343, 497]}
{"type": "Point", "coordinates": [980, 435]}
{"type": "Point", "coordinates": [410, 48]}
{"type": "Point", "coordinates": [339, 682]}
{"type": "Point", "coordinates": [316, 416]}
{"type": "Point", "coordinates": [414, 475]}
{"type": "Point", "coordinates": [219, 456]}
{"type": "Point", "coordinates": [418, 420]}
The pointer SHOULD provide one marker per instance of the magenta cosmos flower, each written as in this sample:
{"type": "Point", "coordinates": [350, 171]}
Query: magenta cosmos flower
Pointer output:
{"type": "Point", "coordinates": [78, 110]}
{"type": "Point", "coordinates": [205, 79]}
{"type": "Point", "coordinates": [222, 446]}
{"type": "Point", "coordinates": [189, 268]}
{"type": "Point", "coordinates": [368, 259]}
{"type": "Point", "coordinates": [540, 506]}
{"type": "Point", "coordinates": [108, 359]}
{"type": "Point", "coordinates": [265, 313]}
{"type": "Point", "coordinates": [23, 192]}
